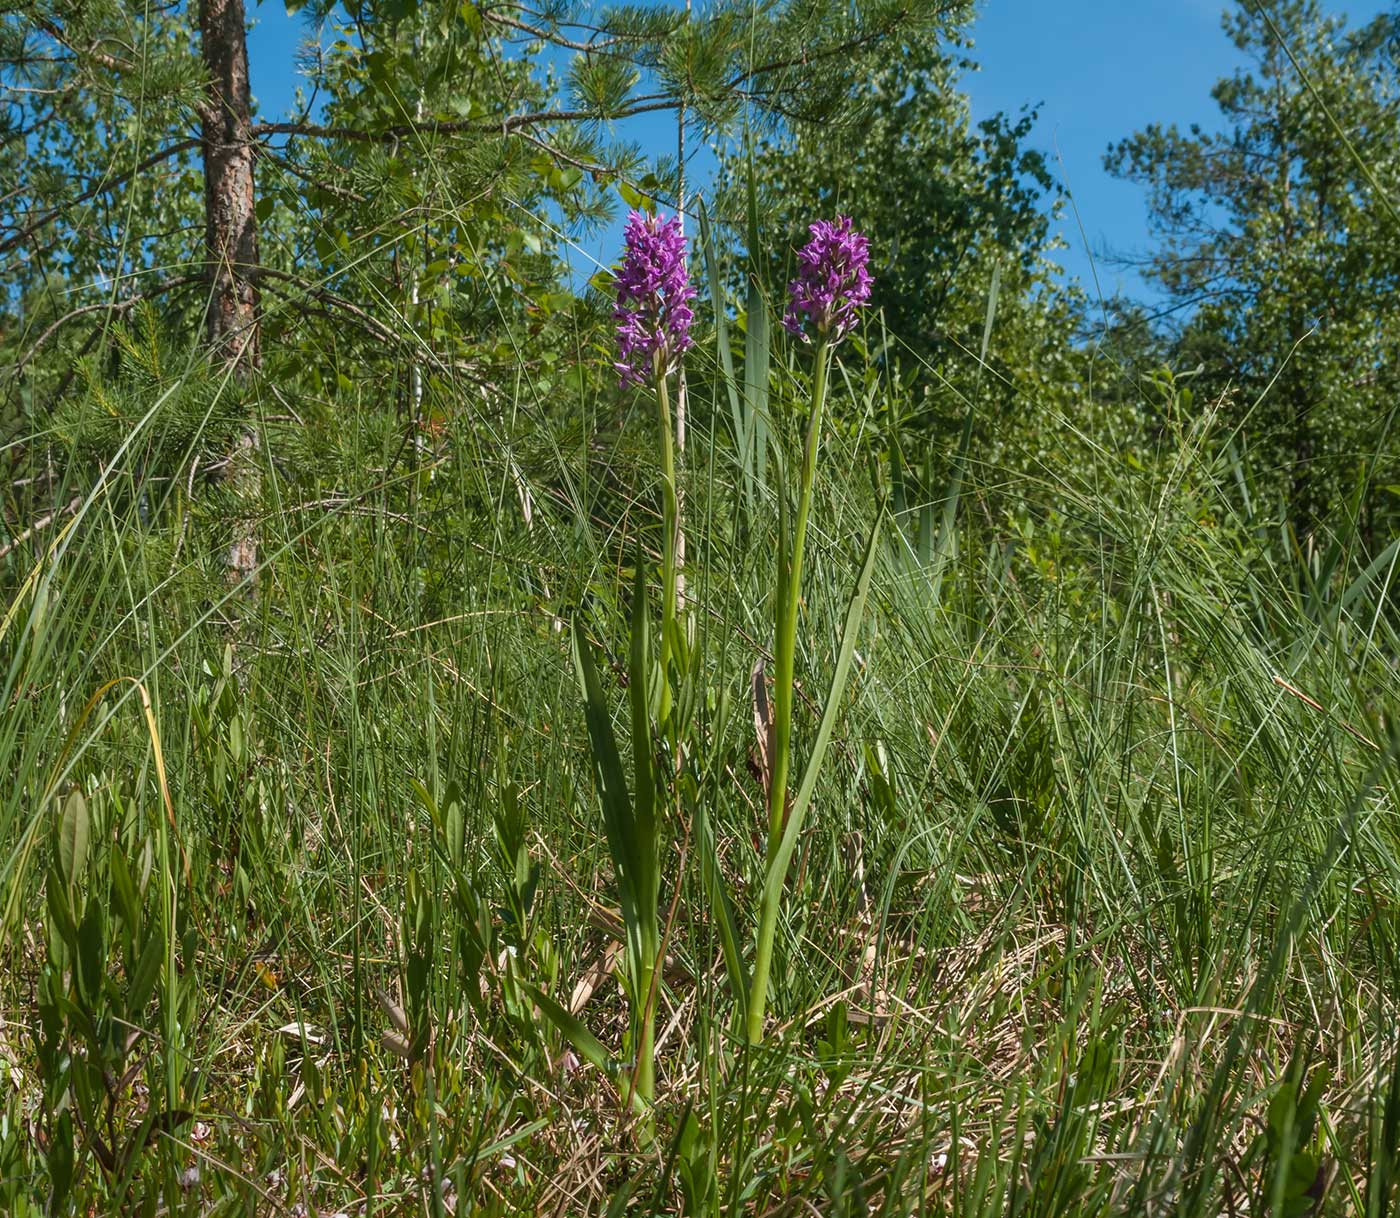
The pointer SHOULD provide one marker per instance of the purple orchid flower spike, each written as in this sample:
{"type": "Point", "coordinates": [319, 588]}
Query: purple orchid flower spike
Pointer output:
{"type": "Point", "coordinates": [833, 281]}
{"type": "Point", "coordinates": [653, 312]}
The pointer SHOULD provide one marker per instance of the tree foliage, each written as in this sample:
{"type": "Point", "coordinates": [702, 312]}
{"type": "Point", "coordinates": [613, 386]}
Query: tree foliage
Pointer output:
{"type": "Point", "coordinates": [960, 218]}
{"type": "Point", "coordinates": [1275, 240]}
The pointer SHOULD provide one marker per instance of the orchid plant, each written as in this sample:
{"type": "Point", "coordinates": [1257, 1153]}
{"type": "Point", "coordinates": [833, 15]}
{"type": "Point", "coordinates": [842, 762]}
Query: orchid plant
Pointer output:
{"type": "Point", "coordinates": [653, 317]}
{"type": "Point", "coordinates": [833, 282]}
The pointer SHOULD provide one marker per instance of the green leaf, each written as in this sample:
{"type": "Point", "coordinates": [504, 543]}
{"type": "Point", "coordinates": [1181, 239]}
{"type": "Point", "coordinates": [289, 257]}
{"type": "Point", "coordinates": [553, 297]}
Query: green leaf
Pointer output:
{"type": "Point", "coordinates": [92, 953]}
{"type": "Point", "coordinates": [455, 829]}
{"type": "Point", "coordinates": [640, 677]}
{"type": "Point", "coordinates": [618, 821]}
{"type": "Point", "coordinates": [1384, 561]}
{"type": "Point", "coordinates": [742, 445]}
{"type": "Point", "coordinates": [73, 832]}
{"type": "Point", "coordinates": [141, 982]}
{"type": "Point", "coordinates": [60, 911]}
{"type": "Point", "coordinates": [128, 905]}
{"type": "Point", "coordinates": [777, 865]}
{"type": "Point", "coordinates": [60, 1161]}
{"type": "Point", "coordinates": [589, 1047]}
{"type": "Point", "coordinates": [721, 909]}
{"type": "Point", "coordinates": [572, 1028]}
{"type": "Point", "coordinates": [993, 292]}
{"type": "Point", "coordinates": [633, 198]}
{"type": "Point", "coordinates": [756, 345]}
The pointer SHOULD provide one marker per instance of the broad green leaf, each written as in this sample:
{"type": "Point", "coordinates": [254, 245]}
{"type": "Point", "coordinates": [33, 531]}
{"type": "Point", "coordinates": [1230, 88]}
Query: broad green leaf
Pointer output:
{"type": "Point", "coordinates": [128, 905]}
{"type": "Point", "coordinates": [142, 981]}
{"type": "Point", "coordinates": [73, 832]}
{"type": "Point", "coordinates": [92, 953]}
{"type": "Point", "coordinates": [633, 198]}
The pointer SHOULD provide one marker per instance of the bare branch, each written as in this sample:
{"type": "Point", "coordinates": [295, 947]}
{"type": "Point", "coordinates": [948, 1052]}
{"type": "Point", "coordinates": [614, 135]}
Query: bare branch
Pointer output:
{"type": "Point", "coordinates": [39, 525]}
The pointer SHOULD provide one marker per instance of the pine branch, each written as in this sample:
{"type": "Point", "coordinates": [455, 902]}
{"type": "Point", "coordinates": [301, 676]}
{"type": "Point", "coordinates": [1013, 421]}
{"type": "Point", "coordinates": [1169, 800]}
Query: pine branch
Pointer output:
{"type": "Point", "coordinates": [108, 306]}
{"type": "Point", "coordinates": [513, 122]}
{"type": "Point", "coordinates": [110, 62]}
{"type": "Point", "coordinates": [102, 187]}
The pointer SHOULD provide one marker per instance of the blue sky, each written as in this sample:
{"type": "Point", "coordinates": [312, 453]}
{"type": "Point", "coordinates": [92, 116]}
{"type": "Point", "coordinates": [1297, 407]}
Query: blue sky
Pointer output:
{"type": "Point", "coordinates": [1098, 69]}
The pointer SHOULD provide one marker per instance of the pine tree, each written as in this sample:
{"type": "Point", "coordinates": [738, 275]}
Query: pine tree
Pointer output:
{"type": "Point", "coordinates": [1275, 238]}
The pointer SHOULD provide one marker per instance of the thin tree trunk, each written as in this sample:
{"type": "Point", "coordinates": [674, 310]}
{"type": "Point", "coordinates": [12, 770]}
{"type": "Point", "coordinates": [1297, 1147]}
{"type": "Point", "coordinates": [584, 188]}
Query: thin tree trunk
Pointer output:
{"type": "Point", "coordinates": [230, 225]}
{"type": "Point", "coordinates": [231, 241]}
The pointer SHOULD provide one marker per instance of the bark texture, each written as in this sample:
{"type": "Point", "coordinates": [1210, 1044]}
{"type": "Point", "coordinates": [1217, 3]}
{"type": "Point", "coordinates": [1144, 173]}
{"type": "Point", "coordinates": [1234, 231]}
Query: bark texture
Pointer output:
{"type": "Point", "coordinates": [230, 224]}
{"type": "Point", "coordinates": [231, 244]}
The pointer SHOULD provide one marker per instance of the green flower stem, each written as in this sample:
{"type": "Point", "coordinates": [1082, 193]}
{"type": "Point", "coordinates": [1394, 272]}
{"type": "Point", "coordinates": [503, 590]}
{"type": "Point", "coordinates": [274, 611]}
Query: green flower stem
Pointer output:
{"type": "Point", "coordinates": [670, 519]}
{"type": "Point", "coordinates": [644, 1000]}
{"type": "Point", "coordinates": [789, 601]}
{"type": "Point", "coordinates": [644, 1075]}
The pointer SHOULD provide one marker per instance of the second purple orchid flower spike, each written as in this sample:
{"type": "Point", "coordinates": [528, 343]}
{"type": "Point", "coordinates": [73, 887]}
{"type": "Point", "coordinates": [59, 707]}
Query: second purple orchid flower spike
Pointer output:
{"type": "Point", "coordinates": [833, 281]}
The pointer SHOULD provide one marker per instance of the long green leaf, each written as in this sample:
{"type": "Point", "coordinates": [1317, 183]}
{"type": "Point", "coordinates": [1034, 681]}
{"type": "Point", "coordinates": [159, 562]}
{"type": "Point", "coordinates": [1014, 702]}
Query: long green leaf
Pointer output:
{"type": "Point", "coordinates": [756, 343]}
{"type": "Point", "coordinates": [992, 295]}
{"type": "Point", "coordinates": [618, 820]}
{"type": "Point", "coordinates": [1381, 562]}
{"type": "Point", "coordinates": [573, 1029]}
{"type": "Point", "coordinates": [589, 1047]}
{"type": "Point", "coordinates": [721, 909]}
{"type": "Point", "coordinates": [924, 534]}
{"type": "Point", "coordinates": [646, 878]}
{"type": "Point", "coordinates": [777, 865]}
{"type": "Point", "coordinates": [943, 549]}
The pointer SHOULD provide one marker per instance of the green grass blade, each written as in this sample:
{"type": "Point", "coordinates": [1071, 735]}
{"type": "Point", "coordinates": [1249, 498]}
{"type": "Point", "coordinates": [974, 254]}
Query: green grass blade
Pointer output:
{"type": "Point", "coordinates": [618, 820]}
{"type": "Point", "coordinates": [739, 417]}
{"type": "Point", "coordinates": [955, 477]}
{"type": "Point", "coordinates": [721, 908]}
{"type": "Point", "coordinates": [756, 342]}
{"type": "Point", "coordinates": [831, 708]}
{"type": "Point", "coordinates": [643, 835]}
{"type": "Point", "coordinates": [1380, 563]}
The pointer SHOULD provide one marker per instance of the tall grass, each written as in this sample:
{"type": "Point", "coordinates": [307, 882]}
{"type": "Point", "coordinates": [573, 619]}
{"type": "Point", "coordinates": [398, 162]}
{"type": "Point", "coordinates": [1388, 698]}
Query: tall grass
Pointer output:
{"type": "Point", "coordinates": [1092, 913]}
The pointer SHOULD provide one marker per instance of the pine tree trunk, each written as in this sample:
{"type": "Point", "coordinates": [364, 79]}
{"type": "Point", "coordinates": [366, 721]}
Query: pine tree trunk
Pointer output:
{"type": "Point", "coordinates": [230, 226]}
{"type": "Point", "coordinates": [231, 240]}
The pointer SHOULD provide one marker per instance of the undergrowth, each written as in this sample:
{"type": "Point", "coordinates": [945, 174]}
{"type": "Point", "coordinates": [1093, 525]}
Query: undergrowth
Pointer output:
{"type": "Point", "coordinates": [1092, 912]}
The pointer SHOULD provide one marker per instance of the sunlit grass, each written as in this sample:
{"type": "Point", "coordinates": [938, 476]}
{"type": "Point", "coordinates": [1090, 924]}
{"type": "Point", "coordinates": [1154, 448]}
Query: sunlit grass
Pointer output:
{"type": "Point", "coordinates": [1098, 868]}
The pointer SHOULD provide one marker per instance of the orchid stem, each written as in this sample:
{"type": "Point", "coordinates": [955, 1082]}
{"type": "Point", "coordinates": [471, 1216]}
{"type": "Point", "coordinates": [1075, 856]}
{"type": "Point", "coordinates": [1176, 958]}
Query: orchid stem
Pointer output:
{"type": "Point", "coordinates": [670, 523]}
{"type": "Point", "coordinates": [785, 625]}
